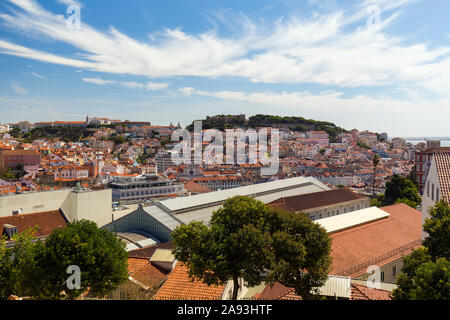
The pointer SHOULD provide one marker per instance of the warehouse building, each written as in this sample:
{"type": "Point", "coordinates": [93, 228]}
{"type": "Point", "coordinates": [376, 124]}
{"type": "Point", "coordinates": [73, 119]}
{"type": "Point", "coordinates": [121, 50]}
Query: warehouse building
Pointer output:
{"type": "Point", "coordinates": [161, 219]}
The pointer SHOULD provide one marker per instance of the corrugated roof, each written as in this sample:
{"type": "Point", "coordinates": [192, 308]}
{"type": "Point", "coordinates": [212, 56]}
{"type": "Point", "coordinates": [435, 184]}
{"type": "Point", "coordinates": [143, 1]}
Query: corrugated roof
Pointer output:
{"type": "Point", "coordinates": [336, 286]}
{"type": "Point", "coordinates": [184, 203]}
{"type": "Point", "coordinates": [163, 217]}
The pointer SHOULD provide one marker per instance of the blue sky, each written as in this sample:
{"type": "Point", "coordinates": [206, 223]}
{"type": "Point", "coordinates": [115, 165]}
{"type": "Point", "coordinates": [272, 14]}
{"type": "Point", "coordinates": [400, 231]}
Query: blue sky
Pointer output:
{"type": "Point", "coordinates": [382, 65]}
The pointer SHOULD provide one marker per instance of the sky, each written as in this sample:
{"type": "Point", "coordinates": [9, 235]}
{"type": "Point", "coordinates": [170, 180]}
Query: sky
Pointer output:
{"type": "Point", "coordinates": [380, 65]}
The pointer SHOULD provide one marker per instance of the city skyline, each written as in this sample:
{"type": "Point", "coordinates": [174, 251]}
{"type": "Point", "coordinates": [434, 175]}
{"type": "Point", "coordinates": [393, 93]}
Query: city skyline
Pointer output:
{"type": "Point", "coordinates": [376, 65]}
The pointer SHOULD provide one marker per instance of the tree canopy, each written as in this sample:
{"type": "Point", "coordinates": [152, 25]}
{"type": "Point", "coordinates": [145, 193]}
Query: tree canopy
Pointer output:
{"type": "Point", "coordinates": [249, 240]}
{"type": "Point", "coordinates": [40, 269]}
{"type": "Point", "coordinates": [398, 190]}
{"type": "Point", "coordinates": [401, 188]}
{"type": "Point", "coordinates": [426, 272]}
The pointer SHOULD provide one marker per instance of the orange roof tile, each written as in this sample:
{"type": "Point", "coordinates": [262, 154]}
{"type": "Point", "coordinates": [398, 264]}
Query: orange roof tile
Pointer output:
{"type": "Point", "coordinates": [46, 222]}
{"type": "Point", "coordinates": [179, 286]}
{"type": "Point", "coordinates": [443, 172]}
{"type": "Point", "coordinates": [383, 240]}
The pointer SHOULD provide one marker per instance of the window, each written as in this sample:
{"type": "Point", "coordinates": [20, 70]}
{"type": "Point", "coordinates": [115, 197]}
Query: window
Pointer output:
{"type": "Point", "coordinates": [437, 195]}
{"type": "Point", "coordinates": [432, 191]}
{"type": "Point", "coordinates": [382, 276]}
{"type": "Point", "coordinates": [394, 271]}
{"type": "Point", "coordinates": [428, 189]}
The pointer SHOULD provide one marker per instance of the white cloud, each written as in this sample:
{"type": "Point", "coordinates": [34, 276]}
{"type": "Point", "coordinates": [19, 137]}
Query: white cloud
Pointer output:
{"type": "Point", "coordinates": [149, 86]}
{"type": "Point", "coordinates": [382, 113]}
{"type": "Point", "coordinates": [98, 81]}
{"type": "Point", "coordinates": [37, 75]}
{"type": "Point", "coordinates": [327, 50]}
{"type": "Point", "coordinates": [71, 2]}
{"type": "Point", "coordinates": [18, 88]}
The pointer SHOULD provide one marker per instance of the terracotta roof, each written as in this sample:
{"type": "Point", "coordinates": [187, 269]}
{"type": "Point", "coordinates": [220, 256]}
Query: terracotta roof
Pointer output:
{"type": "Point", "coordinates": [443, 172]}
{"type": "Point", "coordinates": [360, 292]}
{"type": "Point", "coordinates": [379, 242]}
{"type": "Point", "coordinates": [179, 286]}
{"type": "Point", "coordinates": [278, 292]}
{"type": "Point", "coordinates": [46, 222]}
{"type": "Point", "coordinates": [315, 200]}
{"type": "Point", "coordinates": [143, 271]}
{"type": "Point", "coordinates": [195, 187]}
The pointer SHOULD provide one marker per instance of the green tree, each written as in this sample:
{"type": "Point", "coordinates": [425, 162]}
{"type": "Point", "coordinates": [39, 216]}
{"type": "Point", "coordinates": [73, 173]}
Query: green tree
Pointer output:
{"type": "Point", "coordinates": [6, 269]}
{"type": "Point", "coordinates": [378, 201]}
{"type": "Point", "coordinates": [408, 202]}
{"type": "Point", "coordinates": [413, 176]}
{"type": "Point", "coordinates": [302, 253]}
{"type": "Point", "coordinates": [100, 256]}
{"type": "Point", "coordinates": [426, 272]}
{"type": "Point", "coordinates": [401, 188]}
{"type": "Point", "coordinates": [234, 246]}
{"type": "Point", "coordinates": [438, 229]}
{"type": "Point", "coordinates": [249, 240]}
{"type": "Point", "coordinates": [422, 278]}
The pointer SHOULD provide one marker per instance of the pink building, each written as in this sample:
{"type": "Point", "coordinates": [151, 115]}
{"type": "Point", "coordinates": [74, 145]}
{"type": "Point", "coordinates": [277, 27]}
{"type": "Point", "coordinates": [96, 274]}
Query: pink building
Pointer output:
{"type": "Point", "coordinates": [13, 159]}
{"type": "Point", "coordinates": [319, 137]}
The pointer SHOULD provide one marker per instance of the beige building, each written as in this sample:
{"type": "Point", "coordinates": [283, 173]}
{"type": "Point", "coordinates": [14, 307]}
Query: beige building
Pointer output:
{"type": "Point", "coordinates": [76, 205]}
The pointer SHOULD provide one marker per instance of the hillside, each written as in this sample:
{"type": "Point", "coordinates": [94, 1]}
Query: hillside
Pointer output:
{"type": "Point", "coordinates": [294, 123]}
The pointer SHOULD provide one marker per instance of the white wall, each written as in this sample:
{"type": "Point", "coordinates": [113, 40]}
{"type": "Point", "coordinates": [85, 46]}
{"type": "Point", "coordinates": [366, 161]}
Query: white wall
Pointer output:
{"type": "Point", "coordinates": [33, 202]}
{"type": "Point", "coordinates": [92, 205]}
{"type": "Point", "coordinates": [427, 201]}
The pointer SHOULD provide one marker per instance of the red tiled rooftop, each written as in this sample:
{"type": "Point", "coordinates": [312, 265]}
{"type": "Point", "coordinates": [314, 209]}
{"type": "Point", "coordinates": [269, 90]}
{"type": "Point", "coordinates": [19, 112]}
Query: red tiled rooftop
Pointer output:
{"type": "Point", "coordinates": [360, 292]}
{"type": "Point", "coordinates": [179, 286]}
{"type": "Point", "coordinates": [443, 172]}
{"type": "Point", "coordinates": [379, 240]}
{"type": "Point", "coordinates": [46, 222]}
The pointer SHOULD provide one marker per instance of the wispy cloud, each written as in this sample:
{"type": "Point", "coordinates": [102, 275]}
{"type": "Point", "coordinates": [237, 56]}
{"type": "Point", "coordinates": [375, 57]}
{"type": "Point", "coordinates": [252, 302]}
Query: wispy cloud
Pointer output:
{"type": "Point", "coordinates": [98, 81]}
{"type": "Point", "coordinates": [37, 75]}
{"type": "Point", "coordinates": [150, 86]}
{"type": "Point", "coordinates": [328, 50]}
{"type": "Point", "coordinates": [18, 88]}
{"type": "Point", "coordinates": [71, 2]}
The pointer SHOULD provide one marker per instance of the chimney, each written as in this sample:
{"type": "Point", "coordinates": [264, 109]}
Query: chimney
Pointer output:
{"type": "Point", "coordinates": [10, 230]}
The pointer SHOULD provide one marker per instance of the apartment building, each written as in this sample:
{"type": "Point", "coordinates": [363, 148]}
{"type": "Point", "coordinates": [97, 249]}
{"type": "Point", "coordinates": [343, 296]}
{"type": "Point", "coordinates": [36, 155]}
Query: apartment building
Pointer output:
{"type": "Point", "coordinates": [141, 188]}
{"type": "Point", "coordinates": [13, 159]}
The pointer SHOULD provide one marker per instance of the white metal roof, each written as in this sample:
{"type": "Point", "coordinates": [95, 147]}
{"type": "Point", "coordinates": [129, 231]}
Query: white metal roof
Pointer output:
{"type": "Point", "coordinates": [336, 286]}
{"type": "Point", "coordinates": [352, 219]}
{"type": "Point", "coordinates": [162, 216]}
{"type": "Point", "coordinates": [203, 214]}
{"type": "Point", "coordinates": [210, 198]}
